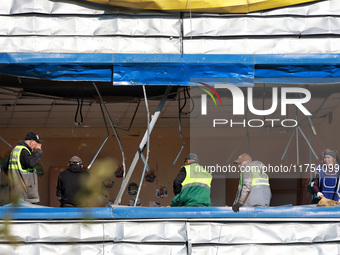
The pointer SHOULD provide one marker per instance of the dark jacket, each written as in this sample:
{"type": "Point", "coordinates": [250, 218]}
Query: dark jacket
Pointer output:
{"type": "Point", "coordinates": [70, 182]}
{"type": "Point", "coordinates": [177, 185]}
{"type": "Point", "coordinates": [27, 160]}
{"type": "Point", "coordinates": [25, 183]}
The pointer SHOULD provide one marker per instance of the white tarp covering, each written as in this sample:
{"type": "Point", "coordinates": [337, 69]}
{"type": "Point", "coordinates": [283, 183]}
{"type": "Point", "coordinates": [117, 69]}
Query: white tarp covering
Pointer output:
{"type": "Point", "coordinates": [173, 249]}
{"type": "Point", "coordinates": [93, 249]}
{"type": "Point", "coordinates": [258, 249]}
{"type": "Point", "coordinates": [88, 26]}
{"type": "Point", "coordinates": [264, 233]}
{"type": "Point", "coordinates": [155, 26]}
{"type": "Point", "coordinates": [9, 7]}
{"type": "Point", "coordinates": [263, 46]}
{"type": "Point", "coordinates": [180, 236]}
{"type": "Point", "coordinates": [90, 44]}
{"type": "Point", "coordinates": [259, 26]}
{"type": "Point", "coordinates": [68, 231]}
{"type": "Point", "coordinates": [79, 27]}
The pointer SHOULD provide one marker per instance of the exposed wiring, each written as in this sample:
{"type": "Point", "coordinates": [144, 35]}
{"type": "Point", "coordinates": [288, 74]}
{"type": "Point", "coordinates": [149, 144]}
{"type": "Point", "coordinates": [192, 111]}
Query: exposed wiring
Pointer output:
{"type": "Point", "coordinates": [180, 126]}
{"type": "Point", "coordinates": [133, 118]}
{"type": "Point", "coordinates": [79, 109]}
{"type": "Point", "coordinates": [187, 95]}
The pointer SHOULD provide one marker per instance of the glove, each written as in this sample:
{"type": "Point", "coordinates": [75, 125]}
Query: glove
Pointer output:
{"type": "Point", "coordinates": [236, 207]}
{"type": "Point", "coordinates": [319, 195]}
{"type": "Point", "coordinates": [327, 202]}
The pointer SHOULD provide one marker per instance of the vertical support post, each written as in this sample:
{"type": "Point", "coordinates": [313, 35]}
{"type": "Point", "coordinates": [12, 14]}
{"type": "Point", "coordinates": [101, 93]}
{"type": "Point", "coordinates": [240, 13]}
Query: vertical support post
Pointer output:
{"type": "Point", "coordinates": [141, 146]}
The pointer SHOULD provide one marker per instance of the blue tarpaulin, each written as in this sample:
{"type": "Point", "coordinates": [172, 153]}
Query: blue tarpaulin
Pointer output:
{"type": "Point", "coordinates": [171, 69]}
{"type": "Point", "coordinates": [28, 211]}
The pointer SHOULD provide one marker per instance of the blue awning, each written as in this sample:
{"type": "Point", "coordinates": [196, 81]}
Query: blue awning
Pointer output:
{"type": "Point", "coordinates": [171, 69]}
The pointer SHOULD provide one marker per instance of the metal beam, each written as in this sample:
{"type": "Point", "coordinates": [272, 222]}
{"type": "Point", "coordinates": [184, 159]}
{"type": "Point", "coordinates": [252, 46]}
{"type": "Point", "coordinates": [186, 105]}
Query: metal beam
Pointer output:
{"type": "Point", "coordinates": [141, 146]}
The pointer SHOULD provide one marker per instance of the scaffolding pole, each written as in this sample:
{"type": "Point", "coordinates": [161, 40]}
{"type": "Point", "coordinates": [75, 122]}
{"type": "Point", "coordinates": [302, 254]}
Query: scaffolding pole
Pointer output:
{"type": "Point", "coordinates": [141, 146]}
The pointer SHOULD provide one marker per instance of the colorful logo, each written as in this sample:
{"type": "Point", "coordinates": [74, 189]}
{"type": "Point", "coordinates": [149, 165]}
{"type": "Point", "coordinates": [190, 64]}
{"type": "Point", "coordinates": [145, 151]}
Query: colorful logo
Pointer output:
{"type": "Point", "coordinates": [240, 101]}
{"type": "Point", "coordinates": [209, 93]}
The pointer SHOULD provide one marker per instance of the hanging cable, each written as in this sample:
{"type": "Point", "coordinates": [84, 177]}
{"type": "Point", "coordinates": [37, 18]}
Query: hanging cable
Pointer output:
{"type": "Point", "coordinates": [79, 109]}
{"type": "Point", "coordinates": [133, 118]}
{"type": "Point", "coordinates": [185, 101]}
{"type": "Point", "coordinates": [180, 112]}
{"type": "Point", "coordinates": [179, 127]}
{"type": "Point", "coordinates": [187, 95]}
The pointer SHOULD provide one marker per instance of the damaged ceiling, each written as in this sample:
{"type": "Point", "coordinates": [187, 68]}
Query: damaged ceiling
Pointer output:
{"type": "Point", "coordinates": [37, 103]}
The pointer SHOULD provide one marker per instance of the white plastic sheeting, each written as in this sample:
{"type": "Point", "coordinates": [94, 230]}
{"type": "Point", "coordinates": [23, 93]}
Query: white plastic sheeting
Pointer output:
{"type": "Point", "coordinates": [9, 7]}
{"type": "Point", "coordinates": [79, 27]}
{"type": "Point", "coordinates": [97, 231]}
{"type": "Point", "coordinates": [156, 26]}
{"type": "Point", "coordinates": [263, 46]}
{"type": "Point", "coordinates": [258, 26]}
{"type": "Point", "coordinates": [93, 249]}
{"type": "Point", "coordinates": [180, 236]}
{"type": "Point", "coordinates": [90, 44]}
{"type": "Point", "coordinates": [88, 26]}
{"type": "Point", "coordinates": [327, 7]}
{"type": "Point", "coordinates": [256, 249]}
{"type": "Point", "coordinates": [264, 233]}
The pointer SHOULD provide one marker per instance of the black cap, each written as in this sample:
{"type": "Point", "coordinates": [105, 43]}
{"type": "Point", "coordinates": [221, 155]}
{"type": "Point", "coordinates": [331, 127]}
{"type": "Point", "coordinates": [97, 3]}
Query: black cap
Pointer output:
{"type": "Point", "coordinates": [34, 137]}
{"type": "Point", "coordinates": [75, 160]}
{"type": "Point", "coordinates": [191, 156]}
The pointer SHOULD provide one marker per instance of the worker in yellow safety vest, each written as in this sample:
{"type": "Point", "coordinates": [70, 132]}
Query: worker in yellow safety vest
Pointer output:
{"type": "Point", "coordinates": [192, 185]}
{"type": "Point", "coordinates": [254, 187]}
{"type": "Point", "coordinates": [20, 168]}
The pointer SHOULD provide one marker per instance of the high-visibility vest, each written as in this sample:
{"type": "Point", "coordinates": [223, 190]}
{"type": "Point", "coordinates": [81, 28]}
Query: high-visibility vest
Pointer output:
{"type": "Point", "coordinates": [196, 175]}
{"type": "Point", "coordinates": [258, 177]}
{"type": "Point", "coordinates": [329, 183]}
{"type": "Point", "coordinates": [14, 159]}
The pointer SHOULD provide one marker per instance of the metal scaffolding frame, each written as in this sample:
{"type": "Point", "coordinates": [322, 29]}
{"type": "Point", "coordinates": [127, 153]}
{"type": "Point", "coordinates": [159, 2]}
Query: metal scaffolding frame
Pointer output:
{"type": "Point", "coordinates": [141, 146]}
